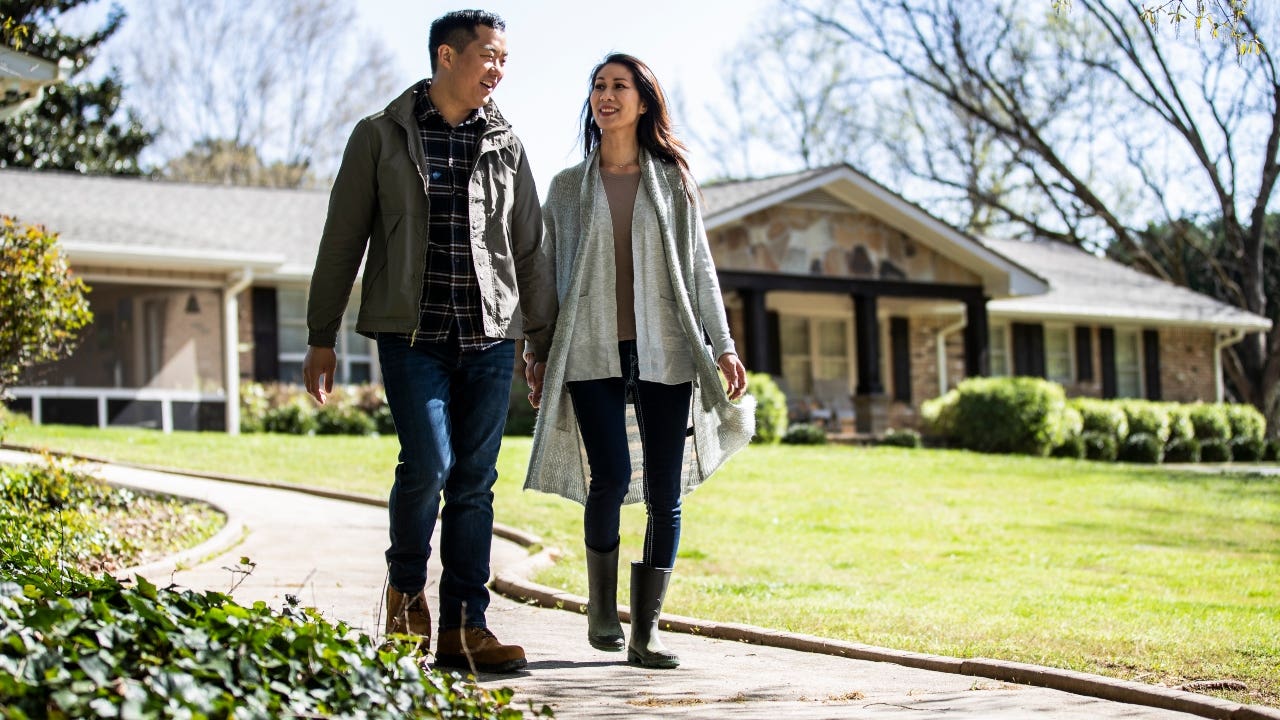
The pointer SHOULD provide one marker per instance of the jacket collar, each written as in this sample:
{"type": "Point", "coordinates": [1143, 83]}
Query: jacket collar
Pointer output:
{"type": "Point", "coordinates": [497, 133]}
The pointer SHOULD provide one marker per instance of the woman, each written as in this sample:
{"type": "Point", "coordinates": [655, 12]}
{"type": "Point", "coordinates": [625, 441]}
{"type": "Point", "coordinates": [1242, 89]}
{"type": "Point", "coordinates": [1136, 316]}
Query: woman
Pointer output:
{"type": "Point", "coordinates": [638, 294]}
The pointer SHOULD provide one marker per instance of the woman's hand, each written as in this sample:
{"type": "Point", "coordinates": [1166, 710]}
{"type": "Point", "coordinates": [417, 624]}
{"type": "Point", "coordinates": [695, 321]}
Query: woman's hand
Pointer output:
{"type": "Point", "coordinates": [533, 373]}
{"type": "Point", "coordinates": [734, 373]}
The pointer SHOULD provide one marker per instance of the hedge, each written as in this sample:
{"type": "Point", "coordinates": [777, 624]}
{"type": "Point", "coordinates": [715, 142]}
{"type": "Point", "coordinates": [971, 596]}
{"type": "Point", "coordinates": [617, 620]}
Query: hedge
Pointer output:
{"type": "Point", "coordinates": [1010, 415]}
{"type": "Point", "coordinates": [771, 408]}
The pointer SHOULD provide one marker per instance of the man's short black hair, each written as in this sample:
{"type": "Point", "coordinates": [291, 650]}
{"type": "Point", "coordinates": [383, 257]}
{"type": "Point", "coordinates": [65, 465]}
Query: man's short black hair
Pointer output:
{"type": "Point", "coordinates": [457, 29]}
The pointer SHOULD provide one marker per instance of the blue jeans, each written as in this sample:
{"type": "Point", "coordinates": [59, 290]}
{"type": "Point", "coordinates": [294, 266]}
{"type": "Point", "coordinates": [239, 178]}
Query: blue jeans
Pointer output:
{"type": "Point", "coordinates": [662, 412]}
{"type": "Point", "coordinates": [449, 408]}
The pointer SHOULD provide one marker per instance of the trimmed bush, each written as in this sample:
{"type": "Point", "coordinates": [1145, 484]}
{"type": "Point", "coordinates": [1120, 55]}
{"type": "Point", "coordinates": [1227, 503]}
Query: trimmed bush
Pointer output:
{"type": "Point", "coordinates": [1215, 451]}
{"type": "Point", "coordinates": [1072, 447]}
{"type": "Point", "coordinates": [1141, 447]}
{"type": "Point", "coordinates": [1247, 449]}
{"type": "Point", "coordinates": [340, 416]}
{"type": "Point", "coordinates": [1273, 451]}
{"type": "Point", "coordinates": [1148, 417]}
{"type": "Point", "coordinates": [805, 434]}
{"type": "Point", "coordinates": [296, 417]}
{"type": "Point", "coordinates": [1210, 421]}
{"type": "Point", "coordinates": [938, 415]}
{"type": "Point", "coordinates": [1102, 416]}
{"type": "Point", "coordinates": [906, 438]}
{"type": "Point", "coordinates": [1246, 421]}
{"type": "Point", "coordinates": [1180, 425]}
{"type": "Point", "coordinates": [1182, 450]}
{"type": "Point", "coordinates": [771, 408]}
{"type": "Point", "coordinates": [1099, 446]}
{"type": "Point", "coordinates": [1010, 415]}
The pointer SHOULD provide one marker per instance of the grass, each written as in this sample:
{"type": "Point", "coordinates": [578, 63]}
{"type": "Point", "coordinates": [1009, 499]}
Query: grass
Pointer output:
{"type": "Point", "coordinates": [1128, 571]}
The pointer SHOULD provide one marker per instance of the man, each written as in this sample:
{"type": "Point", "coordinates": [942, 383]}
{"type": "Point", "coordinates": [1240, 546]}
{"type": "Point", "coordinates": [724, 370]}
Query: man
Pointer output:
{"type": "Point", "coordinates": [438, 190]}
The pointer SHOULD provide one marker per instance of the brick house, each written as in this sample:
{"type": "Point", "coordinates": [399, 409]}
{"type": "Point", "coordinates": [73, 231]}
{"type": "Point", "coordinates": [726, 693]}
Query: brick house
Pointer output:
{"type": "Point", "coordinates": [860, 303]}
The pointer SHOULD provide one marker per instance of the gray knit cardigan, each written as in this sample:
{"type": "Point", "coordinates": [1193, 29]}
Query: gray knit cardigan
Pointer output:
{"type": "Point", "coordinates": [571, 216]}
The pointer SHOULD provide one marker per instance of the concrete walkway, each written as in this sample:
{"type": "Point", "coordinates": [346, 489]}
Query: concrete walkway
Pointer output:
{"type": "Point", "coordinates": [327, 551]}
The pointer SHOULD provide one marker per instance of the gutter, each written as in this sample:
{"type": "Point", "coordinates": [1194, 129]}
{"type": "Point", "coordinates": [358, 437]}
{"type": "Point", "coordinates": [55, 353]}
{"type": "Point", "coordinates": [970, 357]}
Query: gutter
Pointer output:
{"type": "Point", "coordinates": [940, 344]}
{"type": "Point", "coordinates": [1220, 343]}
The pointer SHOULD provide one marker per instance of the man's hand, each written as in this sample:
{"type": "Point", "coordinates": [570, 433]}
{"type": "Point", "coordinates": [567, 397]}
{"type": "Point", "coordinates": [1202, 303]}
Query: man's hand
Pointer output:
{"type": "Point", "coordinates": [734, 373]}
{"type": "Point", "coordinates": [320, 362]}
{"type": "Point", "coordinates": [533, 374]}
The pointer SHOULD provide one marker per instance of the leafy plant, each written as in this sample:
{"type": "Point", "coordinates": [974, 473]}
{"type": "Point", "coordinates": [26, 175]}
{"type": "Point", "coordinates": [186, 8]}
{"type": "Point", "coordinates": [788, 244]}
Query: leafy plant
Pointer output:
{"type": "Point", "coordinates": [1210, 421]}
{"type": "Point", "coordinates": [1215, 451]}
{"type": "Point", "coordinates": [1100, 446]}
{"type": "Point", "coordinates": [1102, 416]}
{"type": "Point", "coordinates": [1182, 450]}
{"type": "Point", "coordinates": [1141, 447]}
{"type": "Point", "coordinates": [42, 305]}
{"type": "Point", "coordinates": [906, 438]}
{"type": "Point", "coordinates": [771, 408]}
{"type": "Point", "coordinates": [805, 434]}
{"type": "Point", "coordinates": [1018, 415]}
{"type": "Point", "coordinates": [1247, 449]}
{"type": "Point", "coordinates": [1072, 447]}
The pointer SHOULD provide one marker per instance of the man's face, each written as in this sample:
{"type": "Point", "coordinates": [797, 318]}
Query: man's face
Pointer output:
{"type": "Point", "coordinates": [475, 72]}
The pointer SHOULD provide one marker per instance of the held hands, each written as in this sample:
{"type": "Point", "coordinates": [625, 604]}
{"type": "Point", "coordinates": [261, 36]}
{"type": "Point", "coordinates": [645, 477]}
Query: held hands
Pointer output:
{"type": "Point", "coordinates": [734, 373]}
{"type": "Point", "coordinates": [533, 374]}
{"type": "Point", "coordinates": [320, 362]}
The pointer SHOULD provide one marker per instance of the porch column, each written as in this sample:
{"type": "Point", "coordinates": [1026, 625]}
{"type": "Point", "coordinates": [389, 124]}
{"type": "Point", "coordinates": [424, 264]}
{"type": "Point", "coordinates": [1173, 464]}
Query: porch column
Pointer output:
{"type": "Point", "coordinates": [231, 346]}
{"type": "Point", "coordinates": [870, 406]}
{"type": "Point", "coordinates": [976, 336]}
{"type": "Point", "coordinates": [755, 321]}
{"type": "Point", "coordinates": [867, 334]}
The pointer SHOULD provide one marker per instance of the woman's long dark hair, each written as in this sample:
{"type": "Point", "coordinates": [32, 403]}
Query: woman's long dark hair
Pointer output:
{"type": "Point", "coordinates": [654, 130]}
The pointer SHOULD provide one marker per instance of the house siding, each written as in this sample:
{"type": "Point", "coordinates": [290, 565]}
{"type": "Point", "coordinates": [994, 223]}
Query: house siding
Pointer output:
{"type": "Point", "coordinates": [1186, 364]}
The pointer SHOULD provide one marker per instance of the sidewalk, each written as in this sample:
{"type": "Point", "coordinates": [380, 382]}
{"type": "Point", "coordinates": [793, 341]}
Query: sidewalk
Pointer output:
{"type": "Point", "coordinates": [327, 552]}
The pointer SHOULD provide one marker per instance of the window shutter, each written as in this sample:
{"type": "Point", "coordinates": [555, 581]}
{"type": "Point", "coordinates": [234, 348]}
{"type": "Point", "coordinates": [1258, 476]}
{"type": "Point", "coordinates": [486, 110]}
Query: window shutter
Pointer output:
{"type": "Point", "coordinates": [775, 345]}
{"type": "Point", "coordinates": [1084, 353]}
{"type": "Point", "coordinates": [1107, 350]}
{"type": "Point", "coordinates": [1151, 362]}
{"type": "Point", "coordinates": [266, 343]}
{"type": "Point", "coordinates": [1028, 349]}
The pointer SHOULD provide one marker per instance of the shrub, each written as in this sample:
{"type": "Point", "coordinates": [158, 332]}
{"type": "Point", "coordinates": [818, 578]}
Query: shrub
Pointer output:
{"type": "Point", "coordinates": [1272, 453]}
{"type": "Point", "coordinates": [771, 408]}
{"type": "Point", "coordinates": [805, 434]}
{"type": "Point", "coordinates": [1247, 449]}
{"type": "Point", "coordinates": [1072, 447]}
{"type": "Point", "coordinates": [1246, 421]}
{"type": "Point", "coordinates": [1147, 417]}
{"type": "Point", "coordinates": [905, 437]}
{"type": "Point", "coordinates": [340, 416]}
{"type": "Point", "coordinates": [42, 302]}
{"type": "Point", "coordinates": [295, 417]}
{"type": "Point", "coordinates": [1215, 451]}
{"type": "Point", "coordinates": [1102, 416]}
{"type": "Point", "coordinates": [1141, 447]}
{"type": "Point", "coordinates": [1210, 421]}
{"type": "Point", "coordinates": [938, 415]}
{"type": "Point", "coordinates": [254, 404]}
{"type": "Point", "coordinates": [1099, 446]}
{"type": "Point", "coordinates": [1180, 425]}
{"type": "Point", "coordinates": [1182, 450]}
{"type": "Point", "coordinates": [1013, 415]}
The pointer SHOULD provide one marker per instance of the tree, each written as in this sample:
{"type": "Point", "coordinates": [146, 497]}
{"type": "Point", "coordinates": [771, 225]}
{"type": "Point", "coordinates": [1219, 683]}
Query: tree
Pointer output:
{"type": "Point", "coordinates": [42, 305]}
{"type": "Point", "coordinates": [1086, 127]}
{"type": "Point", "coordinates": [1224, 19]}
{"type": "Point", "coordinates": [77, 126]}
{"type": "Point", "coordinates": [284, 78]}
{"type": "Point", "coordinates": [224, 163]}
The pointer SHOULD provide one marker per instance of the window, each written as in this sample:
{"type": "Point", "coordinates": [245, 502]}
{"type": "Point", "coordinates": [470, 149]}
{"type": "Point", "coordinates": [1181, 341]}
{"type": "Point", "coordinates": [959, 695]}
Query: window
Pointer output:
{"type": "Point", "coordinates": [355, 352]}
{"type": "Point", "coordinates": [814, 349]}
{"type": "Point", "coordinates": [1128, 364]}
{"type": "Point", "coordinates": [1057, 354]}
{"type": "Point", "coordinates": [998, 350]}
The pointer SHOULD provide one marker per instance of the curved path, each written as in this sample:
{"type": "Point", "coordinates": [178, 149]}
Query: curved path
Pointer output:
{"type": "Point", "coordinates": [327, 551]}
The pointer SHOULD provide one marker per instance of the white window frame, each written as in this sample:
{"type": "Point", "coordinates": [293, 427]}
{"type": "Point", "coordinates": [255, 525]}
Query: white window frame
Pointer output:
{"type": "Point", "coordinates": [1070, 351]}
{"type": "Point", "coordinates": [1139, 360]}
{"type": "Point", "coordinates": [1000, 329]}
{"type": "Point", "coordinates": [346, 356]}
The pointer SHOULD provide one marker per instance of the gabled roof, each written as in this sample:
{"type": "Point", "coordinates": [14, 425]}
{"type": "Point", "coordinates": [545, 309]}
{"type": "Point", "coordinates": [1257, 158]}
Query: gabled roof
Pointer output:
{"type": "Point", "coordinates": [152, 224]}
{"type": "Point", "coordinates": [1086, 287]}
{"type": "Point", "coordinates": [1001, 277]}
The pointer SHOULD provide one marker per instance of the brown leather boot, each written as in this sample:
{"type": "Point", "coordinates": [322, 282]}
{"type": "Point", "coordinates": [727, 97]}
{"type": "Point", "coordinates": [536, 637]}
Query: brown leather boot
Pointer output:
{"type": "Point", "coordinates": [477, 648]}
{"type": "Point", "coordinates": [409, 615]}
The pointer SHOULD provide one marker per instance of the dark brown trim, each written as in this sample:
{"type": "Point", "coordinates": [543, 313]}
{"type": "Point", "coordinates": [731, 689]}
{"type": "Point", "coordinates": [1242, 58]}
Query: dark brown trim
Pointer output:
{"type": "Point", "coordinates": [867, 329]}
{"type": "Point", "coordinates": [740, 279]}
{"type": "Point", "coordinates": [755, 321]}
{"type": "Point", "coordinates": [977, 338]}
{"type": "Point", "coordinates": [266, 334]}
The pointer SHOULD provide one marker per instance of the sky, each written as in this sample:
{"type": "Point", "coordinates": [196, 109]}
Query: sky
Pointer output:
{"type": "Point", "coordinates": [553, 45]}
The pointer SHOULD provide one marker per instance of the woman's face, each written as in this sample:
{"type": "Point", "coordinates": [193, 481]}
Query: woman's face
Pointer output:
{"type": "Point", "coordinates": [615, 101]}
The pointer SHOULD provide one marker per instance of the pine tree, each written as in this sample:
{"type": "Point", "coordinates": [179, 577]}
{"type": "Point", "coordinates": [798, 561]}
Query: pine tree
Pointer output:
{"type": "Point", "coordinates": [78, 125]}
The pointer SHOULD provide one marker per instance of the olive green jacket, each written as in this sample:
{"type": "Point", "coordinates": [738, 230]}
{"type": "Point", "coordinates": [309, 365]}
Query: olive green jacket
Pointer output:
{"type": "Point", "coordinates": [378, 213]}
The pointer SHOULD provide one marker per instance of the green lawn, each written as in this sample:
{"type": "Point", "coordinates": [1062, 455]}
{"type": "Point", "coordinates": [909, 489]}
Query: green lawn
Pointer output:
{"type": "Point", "coordinates": [1133, 572]}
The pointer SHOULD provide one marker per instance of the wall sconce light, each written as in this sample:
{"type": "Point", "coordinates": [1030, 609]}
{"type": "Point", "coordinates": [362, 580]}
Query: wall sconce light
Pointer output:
{"type": "Point", "coordinates": [193, 306]}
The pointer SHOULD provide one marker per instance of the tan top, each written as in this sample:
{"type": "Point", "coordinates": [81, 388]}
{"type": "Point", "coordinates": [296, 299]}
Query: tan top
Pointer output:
{"type": "Point", "coordinates": [621, 191]}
